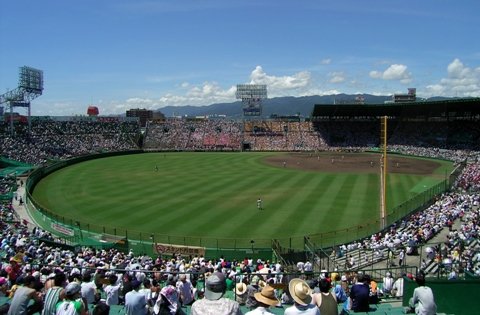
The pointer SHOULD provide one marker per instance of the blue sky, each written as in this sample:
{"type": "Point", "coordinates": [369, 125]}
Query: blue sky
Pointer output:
{"type": "Point", "coordinates": [118, 54]}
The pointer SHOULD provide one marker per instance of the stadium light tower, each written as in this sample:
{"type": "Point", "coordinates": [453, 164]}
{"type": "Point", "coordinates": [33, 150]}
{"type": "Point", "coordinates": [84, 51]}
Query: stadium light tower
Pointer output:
{"type": "Point", "coordinates": [30, 86]}
{"type": "Point", "coordinates": [251, 96]}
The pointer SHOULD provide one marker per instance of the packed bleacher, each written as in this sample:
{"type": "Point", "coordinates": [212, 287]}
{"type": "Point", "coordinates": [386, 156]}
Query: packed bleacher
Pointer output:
{"type": "Point", "coordinates": [177, 134]}
{"type": "Point", "coordinates": [25, 252]}
{"type": "Point", "coordinates": [54, 140]}
{"type": "Point", "coordinates": [419, 138]}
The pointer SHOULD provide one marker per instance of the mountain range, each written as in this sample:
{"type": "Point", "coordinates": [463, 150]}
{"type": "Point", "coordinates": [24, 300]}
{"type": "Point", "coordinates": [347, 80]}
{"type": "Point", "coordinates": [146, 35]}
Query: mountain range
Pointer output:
{"type": "Point", "coordinates": [281, 106]}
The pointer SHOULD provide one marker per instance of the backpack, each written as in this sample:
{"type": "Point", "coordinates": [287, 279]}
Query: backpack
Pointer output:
{"type": "Point", "coordinates": [69, 308]}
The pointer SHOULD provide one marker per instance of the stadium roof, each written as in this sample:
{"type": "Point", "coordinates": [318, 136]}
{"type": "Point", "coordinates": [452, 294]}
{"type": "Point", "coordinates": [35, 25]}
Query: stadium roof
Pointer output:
{"type": "Point", "coordinates": [465, 108]}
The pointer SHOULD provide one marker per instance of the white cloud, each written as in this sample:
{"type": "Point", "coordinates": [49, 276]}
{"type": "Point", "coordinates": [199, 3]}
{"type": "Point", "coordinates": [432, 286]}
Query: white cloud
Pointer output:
{"type": "Point", "coordinates": [209, 92]}
{"type": "Point", "coordinates": [205, 94]}
{"type": "Point", "coordinates": [461, 81]}
{"type": "Point", "coordinates": [326, 61]}
{"type": "Point", "coordinates": [395, 72]}
{"type": "Point", "coordinates": [336, 77]}
{"type": "Point", "coordinates": [283, 84]}
{"type": "Point", "coordinates": [457, 70]}
{"type": "Point", "coordinates": [297, 84]}
{"type": "Point", "coordinates": [375, 74]}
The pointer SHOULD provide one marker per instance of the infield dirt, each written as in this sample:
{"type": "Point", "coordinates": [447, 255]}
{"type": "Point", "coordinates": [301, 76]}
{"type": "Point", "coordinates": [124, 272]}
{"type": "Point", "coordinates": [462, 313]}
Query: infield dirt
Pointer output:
{"type": "Point", "coordinates": [352, 163]}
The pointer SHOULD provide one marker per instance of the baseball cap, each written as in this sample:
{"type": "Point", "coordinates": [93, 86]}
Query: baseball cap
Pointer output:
{"type": "Point", "coordinates": [215, 286]}
{"type": "Point", "coordinates": [72, 288]}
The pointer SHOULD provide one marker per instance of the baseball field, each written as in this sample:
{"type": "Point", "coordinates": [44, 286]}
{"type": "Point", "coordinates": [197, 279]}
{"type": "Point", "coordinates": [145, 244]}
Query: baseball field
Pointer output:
{"type": "Point", "coordinates": [215, 195]}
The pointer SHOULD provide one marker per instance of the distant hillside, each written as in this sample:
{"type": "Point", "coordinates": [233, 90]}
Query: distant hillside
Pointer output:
{"type": "Point", "coordinates": [278, 105]}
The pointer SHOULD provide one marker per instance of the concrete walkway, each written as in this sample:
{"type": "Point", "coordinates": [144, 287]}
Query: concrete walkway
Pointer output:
{"type": "Point", "coordinates": [20, 209]}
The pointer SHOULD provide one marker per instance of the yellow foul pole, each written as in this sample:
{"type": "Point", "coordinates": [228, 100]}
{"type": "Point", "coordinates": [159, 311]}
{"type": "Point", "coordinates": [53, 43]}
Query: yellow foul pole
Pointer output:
{"type": "Point", "coordinates": [383, 205]}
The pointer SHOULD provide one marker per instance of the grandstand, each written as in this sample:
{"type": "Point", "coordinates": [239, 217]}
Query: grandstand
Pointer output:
{"type": "Point", "coordinates": [444, 129]}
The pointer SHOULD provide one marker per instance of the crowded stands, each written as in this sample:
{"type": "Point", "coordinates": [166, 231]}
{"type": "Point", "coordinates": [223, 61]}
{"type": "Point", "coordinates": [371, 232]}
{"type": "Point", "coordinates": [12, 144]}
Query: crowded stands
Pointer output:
{"type": "Point", "coordinates": [54, 140]}
{"type": "Point", "coordinates": [107, 278]}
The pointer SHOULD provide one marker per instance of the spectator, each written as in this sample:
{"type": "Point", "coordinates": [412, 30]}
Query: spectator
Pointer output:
{"type": "Point", "coordinates": [167, 302]}
{"type": "Point", "coordinates": [101, 309]}
{"type": "Point", "coordinates": [214, 302]}
{"type": "Point", "coordinates": [73, 302]}
{"type": "Point", "coordinates": [112, 290]}
{"type": "Point", "coordinates": [54, 294]}
{"type": "Point", "coordinates": [302, 296]}
{"type": "Point", "coordinates": [89, 289]}
{"type": "Point", "coordinates": [23, 295]}
{"type": "Point", "coordinates": [422, 302]}
{"type": "Point", "coordinates": [241, 293]}
{"type": "Point", "coordinates": [185, 290]}
{"type": "Point", "coordinates": [326, 300]}
{"type": "Point", "coordinates": [360, 294]}
{"type": "Point", "coordinates": [252, 288]}
{"type": "Point", "coordinates": [387, 283]}
{"type": "Point", "coordinates": [265, 299]}
{"type": "Point", "coordinates": [135, 302]}
{"type": "Point", "coordinates": [397, 288]}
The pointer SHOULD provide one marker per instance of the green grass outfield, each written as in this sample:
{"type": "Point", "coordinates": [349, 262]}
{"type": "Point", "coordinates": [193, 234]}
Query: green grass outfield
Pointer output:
{"type": "Point", "coordinates": [214, 195]}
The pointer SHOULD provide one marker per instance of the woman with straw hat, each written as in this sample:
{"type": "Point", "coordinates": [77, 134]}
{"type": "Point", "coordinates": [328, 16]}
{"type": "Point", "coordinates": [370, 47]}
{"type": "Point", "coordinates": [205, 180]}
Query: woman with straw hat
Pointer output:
{"type": "Point", "coordinates": [265, 299]}
{"type": "Point", "coordinates": [302, 296]}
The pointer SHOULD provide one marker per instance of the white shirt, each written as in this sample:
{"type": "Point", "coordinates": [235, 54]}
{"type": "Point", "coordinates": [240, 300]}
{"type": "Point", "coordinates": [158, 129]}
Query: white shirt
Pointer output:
{"type": "Point", "coordinates": [259, 311]}
{"type": "Point", "coordinates": [308, 266]}
{"type": "Point", "coordinates": [309, 309]}
{"type": "Point", "coordinates": [112, 292]}
{"type": "Point", "coordinates": [88, 291]}
{"type": "Point", "coordinates": [423, 301]}
{"type": "Point", "coordinates": [398, 285]}
{"type": "Point", "coordinates": [185, 291]}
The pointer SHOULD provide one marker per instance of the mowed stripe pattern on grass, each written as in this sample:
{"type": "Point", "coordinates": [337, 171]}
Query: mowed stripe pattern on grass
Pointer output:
{"type": "Point", "coordinates": [209, 195]}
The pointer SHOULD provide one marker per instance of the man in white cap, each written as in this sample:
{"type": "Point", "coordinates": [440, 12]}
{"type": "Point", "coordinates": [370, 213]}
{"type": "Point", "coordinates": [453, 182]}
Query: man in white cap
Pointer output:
{"type": "Point", "coordinates": [214, 303]}
{"type": "Point", "coordinates": [302, 296]}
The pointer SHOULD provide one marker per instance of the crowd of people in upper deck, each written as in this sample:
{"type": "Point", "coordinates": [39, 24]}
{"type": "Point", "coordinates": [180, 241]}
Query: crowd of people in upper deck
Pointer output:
{"type": "Point", "coordinates": [54, 140]}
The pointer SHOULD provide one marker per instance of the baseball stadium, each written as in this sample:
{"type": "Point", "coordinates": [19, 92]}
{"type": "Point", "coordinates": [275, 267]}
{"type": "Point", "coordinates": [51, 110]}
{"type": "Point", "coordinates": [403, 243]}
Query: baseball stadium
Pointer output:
{"type": "Point", "coordinates": [362, 180]}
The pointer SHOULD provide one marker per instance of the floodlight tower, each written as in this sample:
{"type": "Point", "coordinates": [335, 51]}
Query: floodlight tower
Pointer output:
{"type": "Point", "coordinates": [251, 96]}
{"type": "Point", "coordinates": [30, 86]}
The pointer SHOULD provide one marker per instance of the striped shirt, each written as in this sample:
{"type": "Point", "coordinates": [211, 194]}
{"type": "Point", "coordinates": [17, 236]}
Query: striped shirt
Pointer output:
{"type": "Point", "coordinates": [51, 299]}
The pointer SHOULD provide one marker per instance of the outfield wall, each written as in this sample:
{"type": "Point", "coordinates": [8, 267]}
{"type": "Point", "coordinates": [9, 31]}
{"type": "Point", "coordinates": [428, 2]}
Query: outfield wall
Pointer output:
{"type": "Point", "coordinates": [88, 233]}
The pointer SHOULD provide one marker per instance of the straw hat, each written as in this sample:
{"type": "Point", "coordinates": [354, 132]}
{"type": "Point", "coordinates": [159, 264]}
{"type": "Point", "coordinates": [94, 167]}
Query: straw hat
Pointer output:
{"type": "Point", "coordinates": [300, 291]}
{"type": "Point", "coordinates": [240, 288]}
{"type": "Point", "coordinates": [267, 296]}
